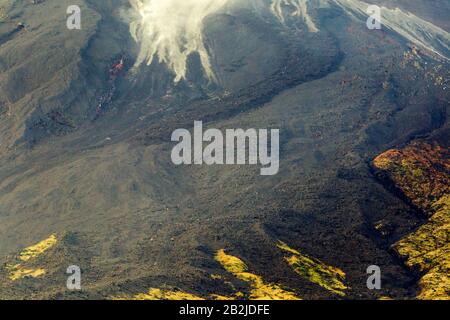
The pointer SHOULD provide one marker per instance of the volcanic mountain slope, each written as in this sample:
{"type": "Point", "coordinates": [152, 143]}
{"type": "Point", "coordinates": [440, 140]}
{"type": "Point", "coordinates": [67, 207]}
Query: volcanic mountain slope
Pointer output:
{"type": "Point", "coordinates": [435, 11]}
{"type": "Point", "coordinates": [421, 171]}
{"type": "Point", "coordinates": [100, 180]}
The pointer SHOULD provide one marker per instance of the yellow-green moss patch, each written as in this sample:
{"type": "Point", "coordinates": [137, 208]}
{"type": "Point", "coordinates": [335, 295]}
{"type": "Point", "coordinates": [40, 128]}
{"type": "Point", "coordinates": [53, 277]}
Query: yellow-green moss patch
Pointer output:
{"type": "Point", "coordinates": [38, 249]}
{"type": "Point", "coordinates": [314, 270]}
{"type": "Point", "coordinates": [422, 171]}
{"type": "Point", "coordinates": [19, 271]}
{"type": "Point", "coordinates": [260, 290]}
{"type": "Point", "coordinates": [428, 250]}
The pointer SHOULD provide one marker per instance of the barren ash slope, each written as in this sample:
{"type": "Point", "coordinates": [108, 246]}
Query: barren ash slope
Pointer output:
{"type": "Point", "coordinates": [85, 171]}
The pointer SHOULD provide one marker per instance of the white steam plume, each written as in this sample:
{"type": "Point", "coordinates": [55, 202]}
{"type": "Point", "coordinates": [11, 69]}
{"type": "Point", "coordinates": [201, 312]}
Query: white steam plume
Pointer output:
{"type": "Point", "coordinates": [300, 10]}
{"type": "Point", "coordinates": [171, 30]}
{"type": "Point", "coordinates": [416, 30]}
